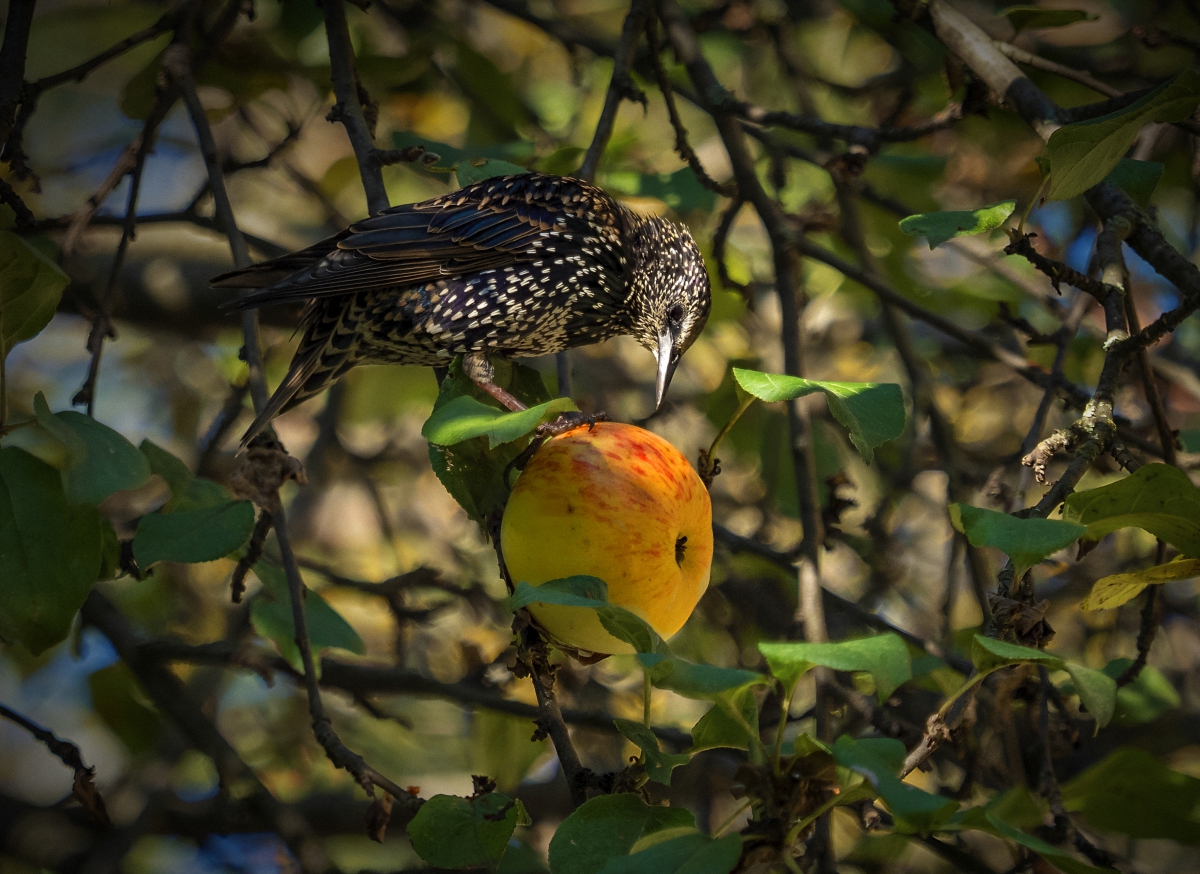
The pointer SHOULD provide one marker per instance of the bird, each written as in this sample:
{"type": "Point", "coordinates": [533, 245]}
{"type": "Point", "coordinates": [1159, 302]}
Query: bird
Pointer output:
{"type": "Point", "coordinates": [516, 266]}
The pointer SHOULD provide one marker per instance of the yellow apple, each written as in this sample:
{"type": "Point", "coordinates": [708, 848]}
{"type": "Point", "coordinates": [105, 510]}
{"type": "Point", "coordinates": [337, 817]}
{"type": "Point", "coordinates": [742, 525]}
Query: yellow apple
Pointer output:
{"type": "Point", "coordinates": [619, 503]}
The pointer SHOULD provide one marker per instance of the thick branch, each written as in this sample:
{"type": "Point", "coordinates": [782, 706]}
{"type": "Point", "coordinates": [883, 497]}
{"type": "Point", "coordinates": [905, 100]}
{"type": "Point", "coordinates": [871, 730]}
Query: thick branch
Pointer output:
{"type": "Point", "coordinates": [12, 61]}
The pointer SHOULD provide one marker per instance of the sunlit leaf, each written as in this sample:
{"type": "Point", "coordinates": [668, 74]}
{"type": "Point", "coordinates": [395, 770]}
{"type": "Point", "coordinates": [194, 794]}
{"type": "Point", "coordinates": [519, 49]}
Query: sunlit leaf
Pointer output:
{"type": "Point", "coordinates": [1025, 541]}
{"type": "Point", "coordinates": [465, 418]}
{"type": "Point", "coordinates": [872, 412]}
{"type": "Point", "coordinates": [1082, 154]}
{"type": "Point", "coordinates": [1158, 498]}
{"type": "Point", "coordinates": [1116, 589]}
{"type": "Point", "coordinates": [473, 472]}
{"type": "Point", "coordinates": [938, 227]}
{"type": "Point", "coordinates": [884, 657]}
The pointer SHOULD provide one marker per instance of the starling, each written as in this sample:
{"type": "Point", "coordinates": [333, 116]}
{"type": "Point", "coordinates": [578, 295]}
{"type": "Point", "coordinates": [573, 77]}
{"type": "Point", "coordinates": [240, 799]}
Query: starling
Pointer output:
{"type": "Point", "coordinates": [515, 266]}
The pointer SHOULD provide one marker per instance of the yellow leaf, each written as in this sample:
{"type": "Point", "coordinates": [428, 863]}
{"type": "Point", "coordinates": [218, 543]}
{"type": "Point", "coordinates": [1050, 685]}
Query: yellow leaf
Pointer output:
{"type": "Point", "coordinates": [1115, 590]}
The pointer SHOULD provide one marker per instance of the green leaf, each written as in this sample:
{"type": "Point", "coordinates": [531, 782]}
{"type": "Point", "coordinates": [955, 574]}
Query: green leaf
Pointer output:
{"type": "Point", "coordinates": [452, 832]}
{"type": "Point", "coordinates": [193, 535]}
{"type": "Point", "coordinates": [1116, 589]}
{"type": "Point", "coordinates": [188, 491]}
{"type": "Point", "coordinates": [30, 288]}
{"type": "Point", "coordinates": [474, 473]}
{"type": "Point", "coordinates": [1096, 690]}
{"type": "Point", "coordinates": [465, 418]}
{"type": "Point", "coordinates": [659, 765]}
{"type": "Point", "coordinates": [1084, 153]}
{"type": "Point", "coordinates": [987, 820]}
{"type": "Point", "coordinates": [1138, 179]}
{"type": "Point", "coordinates": [1037, 16]}
{"type": "Point", "coordinates": [938, 227]}
{"type": "Point", "coordinates": [472, 171]}
{"type": "Point", "coordinates": [607, 827]}
{"type": "Point", "coordinates": [1148, 697]}
{"type": "Point", "coordinates": [696, 681]}
{"type": "Point", "coordinates": [271, 615]}
{"type": "Point", "coordinates": [470, 166]}
{"type": "Point", "coordinates": [174, 472]}
{"type": "Point", "coordinates": [99, 460]}
{"type": "Point", "coordinates": [1157, 498]}
{"type": "Point", "coordinates": [590, 593]}
{"type": "Point", "coordinates": [1025, 541]}
{"type": "Point", "coordinates": [1132, 793]}
{"type": "Point", "coordinates": [732, 723]}
{"type": "Point", "coordinates": [872, 412]}
{"type": "Point", "coordinates": [884, 657]}
{"type": "Point", "coordinates": [118, 699]}
{"type": "Point", "coordinates": [681, 190]}
{"type": "Point", "coordinates": [878, 760]}
{"type": "Point", "coordinates": [686, 854]}
{"type": "Point", "coordinates": [50, 552]}
{"type": "Point", "coordinates": [987, 654]}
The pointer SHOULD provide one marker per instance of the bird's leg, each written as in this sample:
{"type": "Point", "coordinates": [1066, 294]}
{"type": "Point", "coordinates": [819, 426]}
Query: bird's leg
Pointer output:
{"type": "Point", "coordinates": [480, 371]}
{"type": "Point", "coordinates": [568, 422]}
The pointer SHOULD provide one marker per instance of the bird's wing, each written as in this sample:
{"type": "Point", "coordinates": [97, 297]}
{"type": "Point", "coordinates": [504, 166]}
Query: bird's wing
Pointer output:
{"type": "Point", "coordinates": [488, 225]}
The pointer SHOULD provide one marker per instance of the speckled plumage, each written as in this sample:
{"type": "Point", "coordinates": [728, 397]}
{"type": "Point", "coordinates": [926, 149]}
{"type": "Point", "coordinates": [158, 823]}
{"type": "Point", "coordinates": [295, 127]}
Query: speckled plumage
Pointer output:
{"type": "Point", "coordinates": [516, 266]}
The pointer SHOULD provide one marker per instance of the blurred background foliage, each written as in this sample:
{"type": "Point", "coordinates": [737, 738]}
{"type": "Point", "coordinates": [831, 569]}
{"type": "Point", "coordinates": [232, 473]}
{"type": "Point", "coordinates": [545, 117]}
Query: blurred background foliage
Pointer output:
{"type": "Point", "coordinates": [524, 83]}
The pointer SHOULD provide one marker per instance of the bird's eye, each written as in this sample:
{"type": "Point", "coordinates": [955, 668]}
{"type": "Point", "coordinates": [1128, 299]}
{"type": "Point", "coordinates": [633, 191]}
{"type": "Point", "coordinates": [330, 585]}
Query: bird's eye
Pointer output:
{"type": "Point", "coordinates": [675, 314]}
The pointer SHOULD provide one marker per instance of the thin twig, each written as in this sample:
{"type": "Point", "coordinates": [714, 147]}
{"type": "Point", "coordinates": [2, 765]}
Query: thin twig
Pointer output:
{"type": "Point", "coordinates": [348, 109]}
{"type": "Point", "coordinates": [83, 789]}
{"type": "Point", "coordinates": [177, 63]}
{"type": "Point", "coordinates": [12, 62]}
{"type": "Point", "coordinates": [620, 87]}
{"type": "Point", "coordinates": [682, 145]}
{"type": "Point", "coordinates": [1023, 57]}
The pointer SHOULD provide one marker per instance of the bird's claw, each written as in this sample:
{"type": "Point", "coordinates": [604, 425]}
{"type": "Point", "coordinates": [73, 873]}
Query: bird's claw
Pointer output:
{"type": "Point", "coordinates": [569, 421]}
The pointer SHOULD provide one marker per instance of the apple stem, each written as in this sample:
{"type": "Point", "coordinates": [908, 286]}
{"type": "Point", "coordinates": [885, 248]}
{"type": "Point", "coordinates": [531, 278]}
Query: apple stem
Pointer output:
{"type": "Point", "coordinates": [708, 460]}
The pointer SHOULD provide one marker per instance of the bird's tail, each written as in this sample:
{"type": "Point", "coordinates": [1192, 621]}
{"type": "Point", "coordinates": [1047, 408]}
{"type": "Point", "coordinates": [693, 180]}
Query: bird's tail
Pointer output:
{"type": "Point", "coordinates": [329, 348]}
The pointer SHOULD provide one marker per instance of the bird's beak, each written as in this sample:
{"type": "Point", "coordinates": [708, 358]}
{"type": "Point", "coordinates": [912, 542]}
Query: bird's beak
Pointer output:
{"type": "Point", "coordinates": [667, 361]}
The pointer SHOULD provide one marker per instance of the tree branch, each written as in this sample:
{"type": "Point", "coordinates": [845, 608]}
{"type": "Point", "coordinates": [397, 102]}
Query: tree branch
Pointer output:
{"type": "Point", "coordinates": [348, 109]}
{"type": "Point", "coordinates": [84, 789]}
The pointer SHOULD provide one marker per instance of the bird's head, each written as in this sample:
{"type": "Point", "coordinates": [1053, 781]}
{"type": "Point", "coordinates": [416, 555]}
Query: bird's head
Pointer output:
{"type": "Point", "coordinates": [669, 294]}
